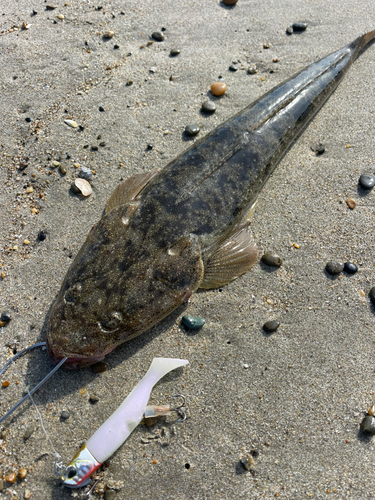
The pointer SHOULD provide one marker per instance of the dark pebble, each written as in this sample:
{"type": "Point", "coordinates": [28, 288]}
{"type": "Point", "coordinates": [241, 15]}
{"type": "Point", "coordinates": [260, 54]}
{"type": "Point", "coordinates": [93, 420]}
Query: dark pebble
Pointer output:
{"type": "Point", "coordinates": [93, 399]}
{"type": "Point", "coordinates": [233, 67]}
{"type": "Point", "coordinates": [192, 130]}
{"type": "Point", "coordinates": [175, 52]}
{"type": "Point", "coordinates": [299, 26]}
{"type": "Point", "coordinates": [334, 268]}
{"type": "Point", "coordinates": [102, 144]}
{"type": "Point", "coordinates": [209, 106]}
{"type": "Point", "coordinates": [101, 109]}
{"type": "Point", "coordinates": [99, 367]}
{"type": "Point", "coordinates": [116, 46]}
{"type": "Point", "coordinates": [5, 317]}
{"type": "Point", "coordinates": [94, 148]}
{"type": "Point", "coordinates": [318, 148]}
{"type": "Point", "coordinates": [350, 268]}
{"type": "Point", "coordinates": [149, 147]}
{"type": "Point", "coordinates": [367, 181]}
{"type": "Point", "coordinates": [368, 424]}
{"type": "Point", "coordinates": [272, 259]}
{"type": "Point", "coordinates": [64, 415]}
{"type": "Point", "coordinates": [271, 326]}
{"type": "Point", "coordinates": [289, 30]}
{"type": "Point", "coordinates": [42, 235]}
{"type": "Point", "coordinates": [28, 120]}
{"type": "Point", "coordinates": [85, 173]}
{"type": "Point", "coordinates": [372, 295]}
{"type": "Point", "coordinates": [192, 322]}
{"type": "Point", "coordinates": [158, 36]}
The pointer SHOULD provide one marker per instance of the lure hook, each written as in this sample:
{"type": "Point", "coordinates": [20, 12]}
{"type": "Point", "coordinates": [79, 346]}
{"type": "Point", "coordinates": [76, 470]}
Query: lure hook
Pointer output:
{"type": "Point", "coordinates": [39, 344]}
{"type": "Point", "coordinates": [158, 411]}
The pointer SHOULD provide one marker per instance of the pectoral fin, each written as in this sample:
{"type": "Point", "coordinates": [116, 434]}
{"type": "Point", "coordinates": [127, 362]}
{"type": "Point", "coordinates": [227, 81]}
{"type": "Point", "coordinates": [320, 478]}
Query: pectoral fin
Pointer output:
{"type": "Point", "coordinates": [233, 257]}
{"type": "Point", "coordinates": [128, 190]}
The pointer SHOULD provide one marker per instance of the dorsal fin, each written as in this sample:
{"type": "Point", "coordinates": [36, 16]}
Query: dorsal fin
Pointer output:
{"type": "Point", "coordinates": [128, 190]}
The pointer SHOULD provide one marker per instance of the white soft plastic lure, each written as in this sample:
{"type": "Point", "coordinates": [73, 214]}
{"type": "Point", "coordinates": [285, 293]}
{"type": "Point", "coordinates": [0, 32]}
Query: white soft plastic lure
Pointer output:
{"type": "Point", "coordinates": [118, 427]}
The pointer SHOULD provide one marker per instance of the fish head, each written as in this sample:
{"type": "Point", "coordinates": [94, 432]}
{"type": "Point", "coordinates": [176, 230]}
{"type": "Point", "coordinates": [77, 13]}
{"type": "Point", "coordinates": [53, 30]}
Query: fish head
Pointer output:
{"type": "Point", "coordinates": [117, 289]}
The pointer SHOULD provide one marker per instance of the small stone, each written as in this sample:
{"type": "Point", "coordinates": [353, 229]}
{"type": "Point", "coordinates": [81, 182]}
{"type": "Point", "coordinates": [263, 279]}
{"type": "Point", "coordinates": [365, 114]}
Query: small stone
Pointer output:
{"type": "Point", "coordinates": [108, 34]}
{"type": "Point", "coordinates": [367, 181]}
{"type": "Point", "coordinates": [116, 46]}
{"type": "Point", "coordinates": [27, 494]}
{"type": "Point", "coordinates": [175, 52]}
{"type": "Point", "coordinates": [247, 462]}
{"type": "Point", "coordinates": [101, 109]}
{"type": "Point", "coordinates": [94, 148]}
{"type": "Point", "coordinates": [318, 148]}
{"type": "Point", "coordinates": [192, 130]}
{"type": "Point", "coordinates": [55, 164]}
{"type": "Point", "coordinates": [29, 189]}
{"type": "Point", "coordinates": [64, 415]}
{"type": "Point", "coordinates": [233, 67]}
{"type": "Point", "coordinates": [6, 383]}
{"type": "Point", "coordinates": [129, 82]}
{"type": "Point", "coordinates": [158, 36]}
{"type": "Point", "coordinates": [218, 88]}
{"type": "Point", "coordinates": [26, 242]}
{"type": "Point", "coordinates": [110, 495]}
{"type": "Point", "coordinates": [22, 473]}
{"type": "Point", "coordinates": [62, 169]}
{"type": "Point", "coordinates": [99, 367]}
{"type": "Point", "coordinates": [350, 268]}
{"type": "Point", "coordinates": [152, 69]}
{"type": "Point", "coordinates": [266, 45]}
{"type": "Point", "coordinates": [271, 326]}
{"type": "Point", "coordinates": [289, 30]}
{"type": "Point", "coordinates": [85, 173]}
{"type": "Point", "coordinates": [5, 317]}
{"type": "Point", "coordinates": [93, 399]}
{"type": "Point", "coordinates": [11, 478]}
{"type": "Point", "coordinates": [299, 26]}
{"type": "Point", "coordinates": [81, 186]}
{"type": "Point", "coordinates": [272, 259]}
{"type": "Point", "coordinates": [71, 123]}
{"type": "Point", "coordinates": [371, 411]}
{"type": "Point", "coordinates": [102, 144]}
{"type": "Point", "coordinates": [275, 59]}
{"type": "Point", "coordinates": [252, 69]}
{"type": "Point", "coordinates": [28, 431]}
{"type": "Point", "coordinates": [230, 2]}
{"type": "Point", "coordinates": [60, 16]}
{"type": "Point", "coordinates": [42, 235]}
{"type": "Point", "coordinates": [28, 119]}
{"type": "Point", "coordinates": [367, 425]}
{"type": "Point", "coordinates": [372, 295]}
{"type": "Point", "coordinates": [351, 203]}
{"type": "Point", "coordinates": [192, 322]}
{"type": "Point", "coordinates": [50, 7]}
{"type": "Point", "coordinates": [209, 106]}
{"type": "Point", "coordinates": [334, 268]}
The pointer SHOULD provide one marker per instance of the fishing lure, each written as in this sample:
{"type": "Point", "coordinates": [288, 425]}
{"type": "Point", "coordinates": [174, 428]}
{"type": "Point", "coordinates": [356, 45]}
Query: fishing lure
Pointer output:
{"type": "Point", "coordinates": [118, 427]}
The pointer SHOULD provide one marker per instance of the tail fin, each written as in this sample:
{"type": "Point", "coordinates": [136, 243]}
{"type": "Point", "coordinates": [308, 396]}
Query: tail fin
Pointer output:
{"type": "Point", "coordinates": [162, 366]}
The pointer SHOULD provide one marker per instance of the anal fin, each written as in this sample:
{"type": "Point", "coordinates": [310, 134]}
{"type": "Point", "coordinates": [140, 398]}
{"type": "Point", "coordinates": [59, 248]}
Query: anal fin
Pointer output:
{"type": "Point", "coordinates": [233, 256]}
{"type": "Point", "coordinates": [128, 190]}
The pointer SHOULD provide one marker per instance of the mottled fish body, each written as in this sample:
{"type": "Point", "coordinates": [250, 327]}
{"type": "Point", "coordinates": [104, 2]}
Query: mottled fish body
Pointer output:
{"type": "Point", "coordinates": [166, 234]}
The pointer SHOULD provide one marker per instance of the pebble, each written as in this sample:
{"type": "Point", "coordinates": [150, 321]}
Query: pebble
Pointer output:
{"type": "Point", "coordinates": [102, 144]}
{"type": "Point", "coordinates": [60, 16]}
{"type": "Point", "coordinates": [110, 495]}
{"type": "Point", "coordinates": [29, 189]}
{"type": "Point", "coordinates": [192, 130]}
{"type": "Point", "coordinates": [64, 415]}
{"type": "Point", "coordinates": [271, 326]}
{"type": "Point", "coordinates": [233, 67]}
{"type": "Point", "coordinates": [28, 431]}
{"type": "Point", "coordinates": [252, 69]}
{"type": "Point", "coordinates": [318, 148]}
{"type": "Point", "coordinates": [334, 268]}
{"type": "Point", "coordinates": [42, 235]}
{"type": "Point", "coordinates": [94, 148]}
{"type": "Point", "coordinates": [22, 473]}
{"type": "Point", "coordinates": [299, 26]}
{"type": "Point", "coordinates": [116, 46]}
{"type": "Point", "coordinates": [27, 494]}
{"type": "Point", "coordinates": [175, 52]}
{"type": "Point", "coordinates": [108, 34]}
{"type": "Point", "coordinates": [85, 173]}
{"type": "Point", "coordinates": [81, 186]}
{"type": "Point", "coordinates": [62, 169]}
{"type": "Point", "coordinates": [371, 411]}
{"type": "Point", "coordinates": [71, 123]}
{"type": "Point", "coordinates": [272, 259]}
{"type": "Point", "coordinates": [5, 317]}
{"type": "Point", "coordinates": [275, 59]}
{"type": "Point", "coordinates": [55, 164]}
{"type": "Point", "coordinates": [351, 203]}
{"type": "Point", "coordinates": [289, 30]}
{"type": "Point", "coordinates": [266, 45]}
{"type": "Point", "coordinates": [218, 88]}
{"type": "Point", "coordinates": [372, 295]}
{"type": "Point", "coordinates": [28, 119]}
{"type": "Point", "coordinates": [50, 7]}
{"type": "Point", "coordinates": [93, 399]}
{"type": "Point", "coordinates": [367, 181]}
{"type": "Point", "coordinates": [192, 322]}
{"type": "Point", "coordinates": [247, 462]}
{"type": "Point", "coordinates": [209, 106]}
{"type": "Point", "coordinates": [158, 36]}
{"type": "Point", "coordinates": [350, 268]}
{"type": "Point", "coordinates": [11, 478]}
{"type": "Point", "coordinates": [129, 82]}
{"type": "Point", "coordinates": [367, 424]}
{"type": "Point", "coordinates": [6, 383]}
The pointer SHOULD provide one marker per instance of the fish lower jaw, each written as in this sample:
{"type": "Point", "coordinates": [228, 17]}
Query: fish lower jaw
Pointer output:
{"type": "Point", "coordinates": [74, 361]}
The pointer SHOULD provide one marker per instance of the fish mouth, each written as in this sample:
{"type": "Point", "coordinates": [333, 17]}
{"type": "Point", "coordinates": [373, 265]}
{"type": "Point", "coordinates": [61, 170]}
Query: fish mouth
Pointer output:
{"type": "Point", "coordinates": [73, 361]}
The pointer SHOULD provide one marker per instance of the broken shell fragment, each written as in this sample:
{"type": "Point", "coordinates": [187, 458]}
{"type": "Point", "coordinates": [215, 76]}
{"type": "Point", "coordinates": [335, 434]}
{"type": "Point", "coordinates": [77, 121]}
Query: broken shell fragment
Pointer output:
{"type": "Point", "coordinates": [71, 123]}
{"type": "Point", "coordinates": [81, 186]}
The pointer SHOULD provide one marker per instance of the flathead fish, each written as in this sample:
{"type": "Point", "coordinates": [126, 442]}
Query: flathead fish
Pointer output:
{"type": "Point", "coordinates": [166, 234]}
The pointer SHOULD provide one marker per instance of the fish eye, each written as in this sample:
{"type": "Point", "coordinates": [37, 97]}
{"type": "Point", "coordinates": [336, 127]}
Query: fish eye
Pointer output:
{"type": "Point", "coordinates": [73, 293]}
{"type": "Point", "coordinates": [70, 472]}
{"type": "Point", "coordinates": [113, 321]}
